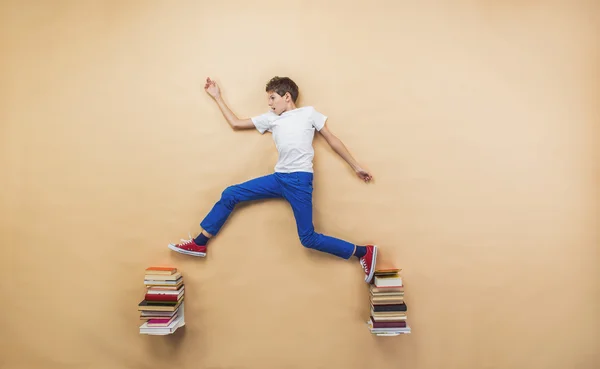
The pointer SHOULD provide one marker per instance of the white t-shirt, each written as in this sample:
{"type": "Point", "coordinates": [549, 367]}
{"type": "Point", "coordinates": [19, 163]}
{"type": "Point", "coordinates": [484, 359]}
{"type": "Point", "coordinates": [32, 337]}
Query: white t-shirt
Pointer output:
{"type": "Point", "coordinates": [293, 133]}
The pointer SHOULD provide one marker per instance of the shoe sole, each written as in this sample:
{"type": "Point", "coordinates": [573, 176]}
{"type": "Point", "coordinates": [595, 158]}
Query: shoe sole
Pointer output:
{"type": "Point", "coordinates": [369, 278]}
{"type": "Point", "coordinates": [186, 252]}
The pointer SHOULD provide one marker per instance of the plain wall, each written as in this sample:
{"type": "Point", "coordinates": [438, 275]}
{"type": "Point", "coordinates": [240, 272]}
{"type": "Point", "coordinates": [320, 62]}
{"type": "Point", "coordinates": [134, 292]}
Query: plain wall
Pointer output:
{"type": "Point", "coordinates": [478, 119]}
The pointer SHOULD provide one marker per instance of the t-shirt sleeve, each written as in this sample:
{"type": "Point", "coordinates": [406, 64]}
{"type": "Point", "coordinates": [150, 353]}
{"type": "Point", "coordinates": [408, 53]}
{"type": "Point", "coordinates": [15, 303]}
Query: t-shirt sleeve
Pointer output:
{"type": "Point", "coordinates": [264, 121]}
{"type": "Point", "coordinates": [318, 119]}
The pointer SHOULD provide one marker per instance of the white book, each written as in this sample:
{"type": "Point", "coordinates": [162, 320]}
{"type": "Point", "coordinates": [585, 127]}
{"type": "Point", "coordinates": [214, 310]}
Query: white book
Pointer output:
{"type": "Point", "coordinates": [388, 331]}
{"type": "Point", "coordinates": [170, 329]}
{"type": "Point", "coordinates": [388, 281]}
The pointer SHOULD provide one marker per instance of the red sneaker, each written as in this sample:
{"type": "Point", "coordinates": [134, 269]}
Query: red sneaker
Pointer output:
{"type": "Point", "coordinates": [368, 262]}
{"type": "Point", "coordinates": [188, 247]}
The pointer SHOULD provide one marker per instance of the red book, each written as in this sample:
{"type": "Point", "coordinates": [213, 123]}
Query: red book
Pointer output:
{"type": "Point", "coordinates": [161, 297]}
{"type": "Point", "coordinates": [158, 321]}
{"type": "Point", "coordinates": [401, 324]}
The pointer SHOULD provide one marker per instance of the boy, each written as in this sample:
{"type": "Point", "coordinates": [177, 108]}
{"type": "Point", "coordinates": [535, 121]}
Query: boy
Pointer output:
{"type": "Point", "coordinates": [293, 132]}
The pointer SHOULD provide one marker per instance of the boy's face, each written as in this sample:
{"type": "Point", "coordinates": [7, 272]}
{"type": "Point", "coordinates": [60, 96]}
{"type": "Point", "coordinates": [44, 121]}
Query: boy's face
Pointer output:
{"type": "Point", "coordinates": [278, 104]}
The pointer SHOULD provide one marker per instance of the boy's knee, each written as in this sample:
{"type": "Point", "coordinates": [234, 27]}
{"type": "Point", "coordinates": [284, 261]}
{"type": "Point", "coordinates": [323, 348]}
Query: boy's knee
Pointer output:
{"type": "Point", "coordinates": [228, 196]}
{"type": "Point", "coordinates": [228, 192]}
{"type": "Point", "coordinates": [309, 240]}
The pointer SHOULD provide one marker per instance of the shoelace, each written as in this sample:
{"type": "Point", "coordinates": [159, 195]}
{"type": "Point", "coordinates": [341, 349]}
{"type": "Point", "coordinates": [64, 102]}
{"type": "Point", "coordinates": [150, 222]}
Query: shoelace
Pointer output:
{"type": "Point", "coordinates": [188, 241]}
{"type": "Point", "coordinates": [363, 263]}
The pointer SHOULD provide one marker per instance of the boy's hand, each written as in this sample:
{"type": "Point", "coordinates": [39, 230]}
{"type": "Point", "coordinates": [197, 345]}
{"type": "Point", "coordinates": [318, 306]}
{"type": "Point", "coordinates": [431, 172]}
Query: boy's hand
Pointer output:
{"type": "Point", "coordinates": [363, 174]}
{"type": "Point", "coordinates": [211, 87]}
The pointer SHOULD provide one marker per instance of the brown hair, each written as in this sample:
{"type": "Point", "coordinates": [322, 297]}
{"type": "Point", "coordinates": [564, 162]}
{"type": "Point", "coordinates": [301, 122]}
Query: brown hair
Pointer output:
{"type": "Point", "coordinates": [281, 85]}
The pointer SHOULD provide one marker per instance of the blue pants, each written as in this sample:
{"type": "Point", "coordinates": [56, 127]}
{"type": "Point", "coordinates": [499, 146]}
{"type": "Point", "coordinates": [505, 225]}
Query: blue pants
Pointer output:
{"type": "Point", "coordinates": [297, 189]}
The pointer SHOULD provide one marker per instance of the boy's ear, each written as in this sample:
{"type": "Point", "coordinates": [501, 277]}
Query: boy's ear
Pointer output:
{"type": "Point", "coordinates": [287, 96]}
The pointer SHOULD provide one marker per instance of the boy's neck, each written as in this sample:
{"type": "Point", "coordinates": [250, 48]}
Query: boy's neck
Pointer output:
{"type": "Point", "coordinates": [290, 107]}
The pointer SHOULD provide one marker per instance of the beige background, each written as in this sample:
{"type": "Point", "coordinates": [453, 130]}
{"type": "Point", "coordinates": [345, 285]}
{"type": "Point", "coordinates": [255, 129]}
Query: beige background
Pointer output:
{"type": "Point", "coordinates": [478, 119]}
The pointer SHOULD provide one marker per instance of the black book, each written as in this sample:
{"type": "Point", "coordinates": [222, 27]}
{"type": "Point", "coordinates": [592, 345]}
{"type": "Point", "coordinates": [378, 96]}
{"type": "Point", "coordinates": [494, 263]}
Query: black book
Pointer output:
{"type": "Point", "coordinates": [391, 307]}
{"type": "Point", "coordinates": [158, 303]}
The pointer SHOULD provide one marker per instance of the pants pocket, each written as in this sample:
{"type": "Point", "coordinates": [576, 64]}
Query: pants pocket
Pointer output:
{"type": "Point", "coordinates": [304, 179]}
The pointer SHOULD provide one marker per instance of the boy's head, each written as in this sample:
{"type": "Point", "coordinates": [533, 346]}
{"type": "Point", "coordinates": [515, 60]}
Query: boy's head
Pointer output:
{"type": "Point", "coordinates": [282, 93]}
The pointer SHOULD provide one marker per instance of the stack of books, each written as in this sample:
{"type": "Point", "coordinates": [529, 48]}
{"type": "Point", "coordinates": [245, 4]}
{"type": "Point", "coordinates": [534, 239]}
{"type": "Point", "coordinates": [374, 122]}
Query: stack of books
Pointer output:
{"type": "Point", "coordinates": [388, 308]}
{"type": "Point", "coordinates": [162, 306]}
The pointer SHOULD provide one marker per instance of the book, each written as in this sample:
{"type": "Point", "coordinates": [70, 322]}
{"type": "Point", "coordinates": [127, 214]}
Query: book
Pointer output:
{"type": "Point", "coordinates": [385, 331]}
{"type": "Point", "coordinates": [389, 324]}
{"type": "Point", "coordinates": [163, 307]}
{"type": "Point", "coordinates": [159, 277]}
{"type": "Point", "coordinates": [163, 322]}
{"type": "Point", "coordinates": [165, 288]}
{"type": "Point", "coordinates": [388, 298]}
{"type": "Point", "coordinates": [162, 297]}
{"type": "Point", "coordinates": [158, 282]}
{"type": "Point", "coordinates": [388, 271]}
{"type": "Point", "coordinates": [388, 307]}
{"type": "Point", "coordinates": [385, 290]}
{"type": "Point", "coordinates": [169, 329]}
{"type": "Point", "coordinates": [388, 281]}
{"type": "Point", "coordinates": [158, 270]}
{"type": "Point", "coordinates": [164, 293]}
{"type": "Point", "coordinates": [145, 315]}
{"type": "Point", "coordinates": [147, 306]}
{"type": "Point", "coordinates": [388, 318]}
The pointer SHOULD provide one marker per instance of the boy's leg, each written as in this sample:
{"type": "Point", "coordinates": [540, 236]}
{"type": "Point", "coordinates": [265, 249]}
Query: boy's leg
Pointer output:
{"type": "Point", "coordinates": [264, 187]}
{"type": "Point", "coordinates": [297, 190]}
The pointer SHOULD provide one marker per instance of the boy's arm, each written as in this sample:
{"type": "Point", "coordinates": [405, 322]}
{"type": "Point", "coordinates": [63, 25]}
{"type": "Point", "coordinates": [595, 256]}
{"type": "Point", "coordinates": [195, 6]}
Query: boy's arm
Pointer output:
{"type": "Point", "coordinates": [236, 123]}
{"type": "Point", "coordinates": [338, 146]}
